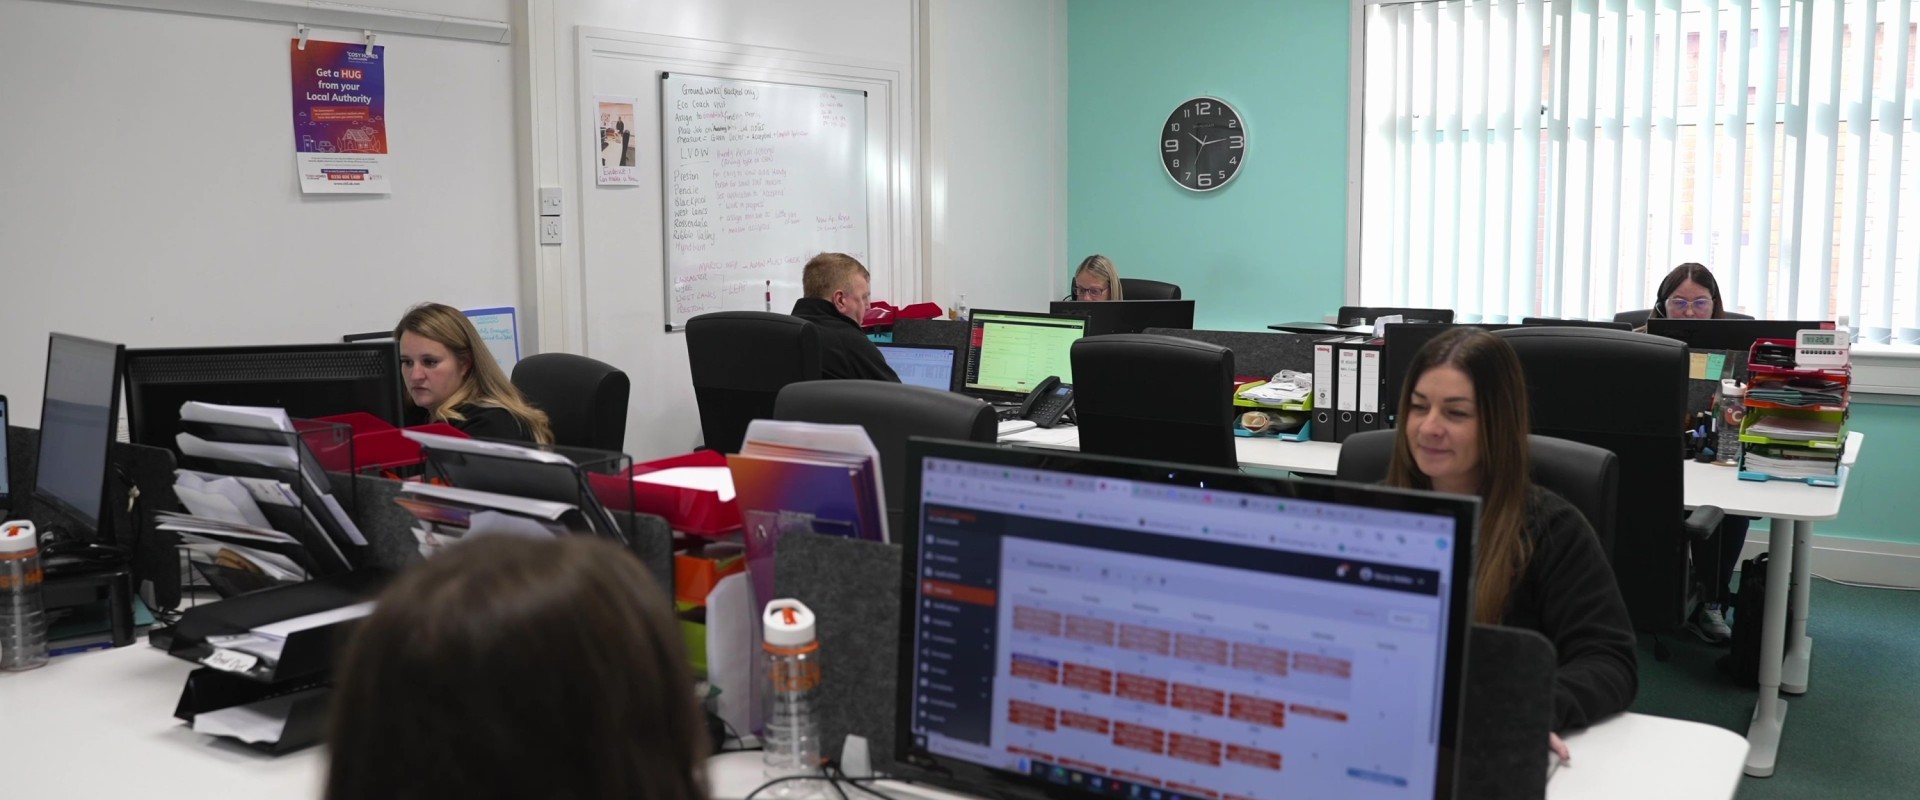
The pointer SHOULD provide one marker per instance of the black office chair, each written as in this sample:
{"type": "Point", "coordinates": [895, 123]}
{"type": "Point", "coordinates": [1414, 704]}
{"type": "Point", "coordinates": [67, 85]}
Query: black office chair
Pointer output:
{"type": "Point", "coordinates": [1637, 317]}
{"type": "Point", "coordinates": [1626, 392]}
{"type": "Point", "coordinates": [1585, 475]}
{"type": "Point", "coordinates": [891, 412]}
{"type": "Point", "coordinates": [1155, 397]}
{"type": "Point", "coordinates": [1143, 289]}
{"type": "Point", "coordinates": [585, 399]}
{"type": "Point", "coordinates": [740, 361]}
{"type": "Point", "coordinates": [1365, 315]}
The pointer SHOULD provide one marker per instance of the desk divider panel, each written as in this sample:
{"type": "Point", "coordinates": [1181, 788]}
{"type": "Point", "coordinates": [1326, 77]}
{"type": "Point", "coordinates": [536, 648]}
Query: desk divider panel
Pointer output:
{"type": "Point", "coordinates": [1255, 352]}
{"type": "Point", "coordinates": [853, 588]}
{"type": "Point", "coordinates": [949, 332]}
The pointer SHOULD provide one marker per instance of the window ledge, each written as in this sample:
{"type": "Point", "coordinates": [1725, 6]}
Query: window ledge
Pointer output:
{"type": "Point", "coordinates": [1886, 369]}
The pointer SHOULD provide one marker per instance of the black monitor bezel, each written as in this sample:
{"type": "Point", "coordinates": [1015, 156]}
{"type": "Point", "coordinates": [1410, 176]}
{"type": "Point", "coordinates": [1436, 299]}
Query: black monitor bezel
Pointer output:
{"type": "Point", "coordinates": [1105, 317]}
{"type": "Point", "coordinates": [955, 376]}
{"type": "Point", "coordinates": [964, 776]}
{"type": "Point", "coordinates": [95, 521]}
{"type": "Point", "coordinates": [973, 350]}
{"type": "Point", "coordinates": [1730, 334]}
{"type": "Point", "coordinates": [138, 426]}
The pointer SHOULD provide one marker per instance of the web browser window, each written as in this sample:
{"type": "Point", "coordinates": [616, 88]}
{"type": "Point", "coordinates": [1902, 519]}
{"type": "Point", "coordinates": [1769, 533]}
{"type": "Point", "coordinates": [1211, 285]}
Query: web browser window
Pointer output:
{"type": "Point", "coordinates": [1154, 641]}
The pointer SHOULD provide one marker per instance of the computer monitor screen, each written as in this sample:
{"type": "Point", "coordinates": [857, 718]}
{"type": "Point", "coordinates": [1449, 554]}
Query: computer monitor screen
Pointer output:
{"type": "Point", "coordinates": [1010, 352]}
{"type": "Point", "coordinates": [929, 365]}
{"type": "Point", "coordinates": [1731, 334]}
{"type": "Point", "coordinates": [6, 483]}
{"type": "Point", "coordinates": [308, 380]}
{"type": "Point", "coordinates": [1122, 628]}
{"type": "Point", "coordinates": [1127, 316]}
{"type": "Point", "coordinates": [78, 415]}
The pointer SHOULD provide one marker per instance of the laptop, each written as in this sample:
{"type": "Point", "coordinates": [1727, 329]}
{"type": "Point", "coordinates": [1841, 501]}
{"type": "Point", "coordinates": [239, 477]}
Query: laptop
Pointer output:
{"type": "Point", "coordinates": [929, 365]}
{"type": "Point", "coordinates": [1090, 627]}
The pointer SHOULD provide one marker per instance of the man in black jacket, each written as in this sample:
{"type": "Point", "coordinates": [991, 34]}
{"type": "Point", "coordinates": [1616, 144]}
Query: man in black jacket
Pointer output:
{"type": "Point", "coordinates": [837, 294]}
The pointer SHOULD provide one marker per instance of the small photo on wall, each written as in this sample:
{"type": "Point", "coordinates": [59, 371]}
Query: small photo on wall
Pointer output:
{"type": "Point", "coordinates": [617, 141]}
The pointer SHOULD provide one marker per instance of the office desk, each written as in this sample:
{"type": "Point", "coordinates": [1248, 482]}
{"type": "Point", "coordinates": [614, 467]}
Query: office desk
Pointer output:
{"type": "Point", "coordinates": [1307, 458]}
{"type": "Point", "coordinates": [1631, 756]}
{"type": "Point", "coordinates": [1791, 509]}
{"type": "Point", "coordinates": [1786, 652]}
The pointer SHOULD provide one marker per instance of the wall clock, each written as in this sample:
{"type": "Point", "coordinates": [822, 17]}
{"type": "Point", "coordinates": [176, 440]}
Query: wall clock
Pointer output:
{"type": "Point", "coordinates": [1203, 144]}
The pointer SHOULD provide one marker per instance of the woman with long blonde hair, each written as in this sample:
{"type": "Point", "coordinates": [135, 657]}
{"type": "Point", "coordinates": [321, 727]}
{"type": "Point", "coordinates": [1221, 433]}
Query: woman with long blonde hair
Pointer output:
{"type": "Point", "coordinates": [1538, 564]}
{"type": "Point", "coordinates": [450, 374]}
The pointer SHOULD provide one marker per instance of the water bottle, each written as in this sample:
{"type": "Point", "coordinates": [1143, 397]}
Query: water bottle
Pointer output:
{"type": "Point", "coordinates": [959, 310]}
{"type": "Point", "coordinates": [23, 618]}
{"type": "Point", "coordinates": [791, 733]}
{"type": "Point", "coordinates": [1733, 409]}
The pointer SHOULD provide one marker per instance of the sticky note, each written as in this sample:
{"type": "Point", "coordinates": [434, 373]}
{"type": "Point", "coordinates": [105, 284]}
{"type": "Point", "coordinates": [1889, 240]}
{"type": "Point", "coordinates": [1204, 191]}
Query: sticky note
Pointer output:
{"type": "Point", "coordinates": [1716, 366]}
{"type": "Point", "coordinates": [1698, 369]}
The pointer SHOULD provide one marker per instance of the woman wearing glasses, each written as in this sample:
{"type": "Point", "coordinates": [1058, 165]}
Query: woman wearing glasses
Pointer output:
{"type": "Point", "coordinates": [1096, 279]}
{"type": "Point", "coordinates": [1690, 292]}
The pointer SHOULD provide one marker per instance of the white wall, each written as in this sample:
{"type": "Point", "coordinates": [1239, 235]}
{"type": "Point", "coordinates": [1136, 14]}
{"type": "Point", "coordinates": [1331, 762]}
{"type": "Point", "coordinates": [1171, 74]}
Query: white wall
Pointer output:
{"type": "Point", "coordinates": [996, 152]}
{"type": "Point", "coordinates": [150, 195]}
{"type": "Point", "coordinates": [1007, 216]}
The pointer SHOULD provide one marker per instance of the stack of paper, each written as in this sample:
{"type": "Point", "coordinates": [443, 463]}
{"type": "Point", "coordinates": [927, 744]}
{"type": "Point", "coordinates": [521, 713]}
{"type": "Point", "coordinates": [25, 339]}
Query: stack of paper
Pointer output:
{"type": "Point", "coordinates": [1798, 430]}
{"type": "Point", "coordinates": [1791, 462]}
{"type": "Point", "coordinates": [446, 514]}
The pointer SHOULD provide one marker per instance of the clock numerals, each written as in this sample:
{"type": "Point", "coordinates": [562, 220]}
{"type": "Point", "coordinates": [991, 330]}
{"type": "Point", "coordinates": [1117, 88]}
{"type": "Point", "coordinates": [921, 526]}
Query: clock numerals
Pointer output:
{"type": "Point", "coordinates": [1204, 133]}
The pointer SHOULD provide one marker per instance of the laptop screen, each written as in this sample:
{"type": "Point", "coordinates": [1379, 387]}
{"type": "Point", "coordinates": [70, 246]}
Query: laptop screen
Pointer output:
{"type": "Point", "coordinates": [1137, 638]}
{"type": "Point", "coordinates": [930, 366]}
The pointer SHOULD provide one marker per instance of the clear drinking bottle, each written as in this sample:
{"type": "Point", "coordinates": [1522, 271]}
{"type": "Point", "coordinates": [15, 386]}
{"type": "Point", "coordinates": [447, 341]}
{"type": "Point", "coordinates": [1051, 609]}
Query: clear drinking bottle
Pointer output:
{"type": "Point", "coordinates": [23, 618]}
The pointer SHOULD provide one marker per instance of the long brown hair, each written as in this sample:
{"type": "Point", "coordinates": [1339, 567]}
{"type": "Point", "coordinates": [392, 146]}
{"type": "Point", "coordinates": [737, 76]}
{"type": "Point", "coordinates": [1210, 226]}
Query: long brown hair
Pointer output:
{"type": "Point", "coordinates": [485, 384]}
{"type": "Point", "coordinates": [509, 667]}
{"type": "Point", "coordinates": [1689, 271]}
{"type": "Point", "coordinates": [1506, 471]}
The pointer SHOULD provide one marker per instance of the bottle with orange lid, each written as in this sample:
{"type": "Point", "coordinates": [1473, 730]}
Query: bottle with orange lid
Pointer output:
{"type": "Point", "coordinates": [23, 618]}
{"type": "Point", "coordinates": [791, 732]}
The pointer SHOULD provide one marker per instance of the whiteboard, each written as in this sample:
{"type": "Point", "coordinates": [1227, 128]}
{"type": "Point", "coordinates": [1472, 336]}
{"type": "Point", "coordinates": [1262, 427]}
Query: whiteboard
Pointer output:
{"type": "Point", "coordinates": [758, 178]}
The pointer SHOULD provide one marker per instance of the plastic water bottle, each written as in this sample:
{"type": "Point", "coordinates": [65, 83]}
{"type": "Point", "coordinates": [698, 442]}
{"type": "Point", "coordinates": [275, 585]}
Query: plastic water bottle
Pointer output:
{"type": "Point", "coordinates": [1733, 409]}
{"type": "Point", "coordinates": [959, 310]}
{"type": "Point", "coordinates": [791, 732]}
{"type": "Point", "coordinates": [23, 618]}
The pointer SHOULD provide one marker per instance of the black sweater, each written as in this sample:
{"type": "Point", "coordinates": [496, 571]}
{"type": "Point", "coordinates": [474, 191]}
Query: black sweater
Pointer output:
{"type": "Point", "coordinates": [845, 352]}
{"type": "Point", "coordinates": [1569, 595]}
{"type": "Point", "coordinates": [491, 422]}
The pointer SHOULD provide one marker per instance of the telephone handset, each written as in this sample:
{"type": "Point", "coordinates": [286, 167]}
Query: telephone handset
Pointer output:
{"type": "Point", "coordinates": [1047, 403]}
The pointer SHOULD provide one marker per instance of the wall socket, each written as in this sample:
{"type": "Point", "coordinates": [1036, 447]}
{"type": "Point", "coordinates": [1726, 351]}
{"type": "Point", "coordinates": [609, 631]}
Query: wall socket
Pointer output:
{"type": "Point", "coordinates": [550, 201]}
{"type": "Point", "coordinates": [549, 230]}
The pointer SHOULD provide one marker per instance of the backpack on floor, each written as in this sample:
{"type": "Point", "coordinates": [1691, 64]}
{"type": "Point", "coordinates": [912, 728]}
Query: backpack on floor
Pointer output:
{"type": "Point", "coordinates": [1749, 610]}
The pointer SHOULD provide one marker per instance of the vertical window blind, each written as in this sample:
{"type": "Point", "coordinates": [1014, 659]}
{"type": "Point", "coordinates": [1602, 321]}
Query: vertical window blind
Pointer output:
{"type": "Point", "coordinates": [1558, 157]}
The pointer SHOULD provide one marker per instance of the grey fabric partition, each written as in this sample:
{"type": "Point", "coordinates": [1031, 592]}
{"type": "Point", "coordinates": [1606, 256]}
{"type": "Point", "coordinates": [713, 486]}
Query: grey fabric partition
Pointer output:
{"type": "Point", "coordinates": [949, 332]}
{"type": "Point", "coordinates": [1256, 353]}
{"type": "Point", "coordinates": [853, 588]}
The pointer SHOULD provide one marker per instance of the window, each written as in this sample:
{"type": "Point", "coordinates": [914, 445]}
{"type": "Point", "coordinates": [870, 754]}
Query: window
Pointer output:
{"type": "Point", "coordinates": [1558, 157]}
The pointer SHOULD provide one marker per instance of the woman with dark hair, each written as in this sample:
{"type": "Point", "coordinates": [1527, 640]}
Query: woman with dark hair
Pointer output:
{"type": "Point", "coordinates": [1538, 564]}
{"type": "Point", "coordinates": [508, 667]}
{"type": "Point", "coordinates": [450, 374]}
{"type": "Point", "coordinates": [1688, 292]}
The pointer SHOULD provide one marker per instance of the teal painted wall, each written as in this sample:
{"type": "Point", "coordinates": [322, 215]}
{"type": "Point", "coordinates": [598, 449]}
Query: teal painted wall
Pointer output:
{"type": "Point", "coordinates": [1268, 247]}
{"type": "Point", "coordinates": [1881, 502]}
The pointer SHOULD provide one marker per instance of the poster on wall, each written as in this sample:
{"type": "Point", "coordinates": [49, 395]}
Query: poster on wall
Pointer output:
{"type": "Point", "coordinates": [340, 118]}
{"type": "Point", "coordinates": [616, 144]}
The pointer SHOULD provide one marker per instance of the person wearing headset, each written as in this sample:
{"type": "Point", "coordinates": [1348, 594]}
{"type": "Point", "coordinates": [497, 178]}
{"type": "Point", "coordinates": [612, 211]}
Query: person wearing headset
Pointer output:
{"type": "Point", "coordinates": [1538, 564]}
{"type": "Point", "coordinates": [1690, 292]}
{"type": "Point", "coordinates": [1096, 279]}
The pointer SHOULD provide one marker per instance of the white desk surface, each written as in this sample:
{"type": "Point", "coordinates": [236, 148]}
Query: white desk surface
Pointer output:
{"type": "Point", "coordinates": [1630, 756]}
{"type": "Point", "coordinates": [101, 724]}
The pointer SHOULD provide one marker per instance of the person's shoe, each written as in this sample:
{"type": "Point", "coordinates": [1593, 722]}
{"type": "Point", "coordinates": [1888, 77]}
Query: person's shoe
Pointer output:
{"type": "Point", "coordinates": [1710, 625]}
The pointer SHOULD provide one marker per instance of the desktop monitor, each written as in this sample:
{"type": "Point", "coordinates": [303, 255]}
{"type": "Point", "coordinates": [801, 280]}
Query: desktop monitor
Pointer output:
{"type": "Point", "coordinates": [1011, 352]}
{"type": "Point", "coordinates": [1127, 316]}
{"type": "Point", "coordinates": [1575, 323]}
{"type": "Point", "coordinates": [79, 414]}
{"type": "Point", "coordinates": [1078, 626]}
{"type": "Point", "coordinates": [308, 380]}
{"type": "Point", "coordinates": [1403, 342]}
{"type": "Point", "coordinates": [929, 365]}
{"type": "Point", "coordinates": [1730, 334]}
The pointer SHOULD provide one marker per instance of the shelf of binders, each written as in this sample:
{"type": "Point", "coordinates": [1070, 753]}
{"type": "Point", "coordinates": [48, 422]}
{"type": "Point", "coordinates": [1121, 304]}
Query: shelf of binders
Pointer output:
{"type": "Point", "coordinates": [1795, 427]}
{"type": "Point", "coordinates": [283, 482]}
